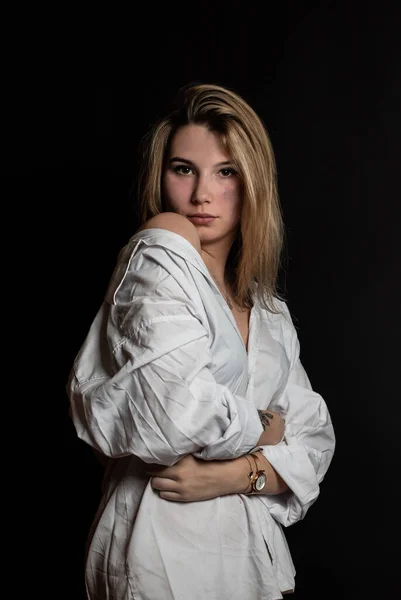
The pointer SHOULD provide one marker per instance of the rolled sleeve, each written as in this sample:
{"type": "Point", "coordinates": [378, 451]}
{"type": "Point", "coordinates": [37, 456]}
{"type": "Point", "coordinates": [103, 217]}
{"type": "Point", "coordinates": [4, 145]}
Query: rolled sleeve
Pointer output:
{"type": "Point", "coordinates": [305, 454]}
{"type": "Point", "coordinates": [142, 382]}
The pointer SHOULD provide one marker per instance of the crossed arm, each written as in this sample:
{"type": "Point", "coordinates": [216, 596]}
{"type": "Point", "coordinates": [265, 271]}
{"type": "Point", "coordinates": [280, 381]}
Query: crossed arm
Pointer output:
{"type": "Point", "coordinates": [192, 480]}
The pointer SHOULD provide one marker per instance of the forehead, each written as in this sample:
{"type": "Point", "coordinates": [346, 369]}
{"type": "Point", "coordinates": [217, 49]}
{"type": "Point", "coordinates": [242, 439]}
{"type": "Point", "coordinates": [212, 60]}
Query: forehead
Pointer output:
{"type": "Point", "coordinates": [197, 142]}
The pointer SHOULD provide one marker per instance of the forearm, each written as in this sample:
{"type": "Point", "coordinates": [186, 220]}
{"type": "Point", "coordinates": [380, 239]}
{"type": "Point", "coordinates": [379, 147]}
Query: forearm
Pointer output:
{"type": "Point", "coordinates": [273, 428]}
{"type": "Point", "coordinates": [232, 476]}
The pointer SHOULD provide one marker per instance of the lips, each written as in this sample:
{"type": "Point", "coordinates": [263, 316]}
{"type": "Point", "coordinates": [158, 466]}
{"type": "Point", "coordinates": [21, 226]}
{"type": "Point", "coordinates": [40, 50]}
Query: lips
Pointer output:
{"type": "Point", "coordinates": [202, 219]}
{"type": "Point", "coordinates": [202, 216]}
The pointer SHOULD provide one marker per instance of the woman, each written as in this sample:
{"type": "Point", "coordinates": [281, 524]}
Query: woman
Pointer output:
{"type": "Point", "coordinates": [188, 370]}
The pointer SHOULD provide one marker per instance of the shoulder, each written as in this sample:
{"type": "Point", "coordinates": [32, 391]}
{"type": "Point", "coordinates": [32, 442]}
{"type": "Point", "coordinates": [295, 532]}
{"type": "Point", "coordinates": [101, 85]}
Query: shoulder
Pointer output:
{"type": "Point", "coordinates": [156, 249]}
{"type": "Point", "coordinates": [177, 224]}
{"type": "Point", "coordinates": [284, 318]}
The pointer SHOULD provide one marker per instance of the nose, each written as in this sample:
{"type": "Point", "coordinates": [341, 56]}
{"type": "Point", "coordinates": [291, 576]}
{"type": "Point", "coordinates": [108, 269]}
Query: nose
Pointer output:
{"type": "Point", "coordinates": [202, 193]}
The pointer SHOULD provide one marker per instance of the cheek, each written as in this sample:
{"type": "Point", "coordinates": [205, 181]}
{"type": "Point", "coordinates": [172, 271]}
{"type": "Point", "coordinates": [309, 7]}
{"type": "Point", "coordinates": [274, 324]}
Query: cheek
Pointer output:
{"type": "Point", "coordinates": [176, 189]}
{"type": "Point", "coordinates": [233, 197]}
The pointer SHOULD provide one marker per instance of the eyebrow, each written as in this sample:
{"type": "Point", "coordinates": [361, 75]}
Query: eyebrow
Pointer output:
{"type": "Point", "coordinates": [224, 163]}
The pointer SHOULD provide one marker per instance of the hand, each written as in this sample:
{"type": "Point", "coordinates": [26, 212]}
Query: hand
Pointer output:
{"type": "Point", "coordinates": [273, 426]}
{"type": "Point", "coordinates": [189, 480]}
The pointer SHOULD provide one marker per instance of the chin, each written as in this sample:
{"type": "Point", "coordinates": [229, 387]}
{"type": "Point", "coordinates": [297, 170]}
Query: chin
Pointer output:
{"type": "Point", "coordinates": [209, 237]}
{"type": "Point", "coordinates": [206, 236]}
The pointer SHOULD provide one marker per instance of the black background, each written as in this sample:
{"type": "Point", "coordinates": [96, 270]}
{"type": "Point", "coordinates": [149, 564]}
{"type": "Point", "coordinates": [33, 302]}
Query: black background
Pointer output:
{"type": "Point", "coordinates": [325, 78]}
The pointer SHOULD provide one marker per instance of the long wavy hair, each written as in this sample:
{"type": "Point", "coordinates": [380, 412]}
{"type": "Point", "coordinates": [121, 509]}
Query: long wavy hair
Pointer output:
{"type": "Point", "coordinates": [254, 260]}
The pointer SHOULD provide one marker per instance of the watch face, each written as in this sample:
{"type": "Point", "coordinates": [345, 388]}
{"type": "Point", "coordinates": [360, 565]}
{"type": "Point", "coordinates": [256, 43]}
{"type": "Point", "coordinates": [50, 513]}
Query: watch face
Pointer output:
{"type": "Point", "coordinates": [260, 482]}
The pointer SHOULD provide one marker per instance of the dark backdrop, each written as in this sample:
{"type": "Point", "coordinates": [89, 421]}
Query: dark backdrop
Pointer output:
{"type": "Point", "coordinates": [325, 78]}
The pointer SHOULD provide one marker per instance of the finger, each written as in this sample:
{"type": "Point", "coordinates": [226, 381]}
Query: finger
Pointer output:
{"type": "Point", "coordinates": [172, 496]}
{"type": "Point", "coordinates": [164, 484]}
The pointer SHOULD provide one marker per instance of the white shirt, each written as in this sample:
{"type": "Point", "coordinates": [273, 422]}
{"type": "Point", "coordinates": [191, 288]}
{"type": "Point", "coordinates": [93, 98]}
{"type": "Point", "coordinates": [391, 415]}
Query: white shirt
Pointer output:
{"type": "Point", "coordinates": [163, 373]}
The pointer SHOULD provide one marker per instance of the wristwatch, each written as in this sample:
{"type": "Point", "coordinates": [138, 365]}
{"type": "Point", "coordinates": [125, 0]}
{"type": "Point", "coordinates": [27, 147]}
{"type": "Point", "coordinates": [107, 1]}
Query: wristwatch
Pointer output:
{"type": "Point", "coordinates": [257, 477]}
{"type": "Point", "coordinates": [259, 481]}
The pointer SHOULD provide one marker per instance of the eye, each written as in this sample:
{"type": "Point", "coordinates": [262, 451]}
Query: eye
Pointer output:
{"type": "Point", "coordinates": [182, 169]}
{"type": "Point", "coordinates": [228, 172]}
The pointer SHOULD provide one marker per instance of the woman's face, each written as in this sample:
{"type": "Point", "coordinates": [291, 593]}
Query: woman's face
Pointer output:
{"type": "Point", "coordinates": [199, 179]}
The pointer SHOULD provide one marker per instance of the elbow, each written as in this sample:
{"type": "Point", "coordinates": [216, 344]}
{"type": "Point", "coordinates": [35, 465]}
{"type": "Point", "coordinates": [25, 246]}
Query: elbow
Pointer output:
{"type": "Point", "coordinates": [120, 448]}
{"type": "Point", "coordinates": [116, 442]}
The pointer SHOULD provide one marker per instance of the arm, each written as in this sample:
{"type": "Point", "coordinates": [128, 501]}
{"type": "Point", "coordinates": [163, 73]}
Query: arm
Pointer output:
{"type": "Point", "coordinates": [146, 388]}
{"type": "Point", "coordinates": [192, 480]}
{"type": "Point", "coordinates": [305, 454]}
{"type": "Point", "coordinates": [273, 427]}
{"type": "Point", "coordinates": [273, 431]}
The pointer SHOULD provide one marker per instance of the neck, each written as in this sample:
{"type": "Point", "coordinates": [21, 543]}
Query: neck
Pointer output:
{"type": "Point", "coordinates": [216, 260]}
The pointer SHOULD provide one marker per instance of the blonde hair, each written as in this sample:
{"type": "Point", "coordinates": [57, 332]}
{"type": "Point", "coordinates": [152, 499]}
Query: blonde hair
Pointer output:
{"type": "Point", "coordinates": [254, 259]}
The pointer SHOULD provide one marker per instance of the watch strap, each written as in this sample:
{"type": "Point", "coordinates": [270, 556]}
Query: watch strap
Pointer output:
{"type": "Point", "coordinates": [255, 475]}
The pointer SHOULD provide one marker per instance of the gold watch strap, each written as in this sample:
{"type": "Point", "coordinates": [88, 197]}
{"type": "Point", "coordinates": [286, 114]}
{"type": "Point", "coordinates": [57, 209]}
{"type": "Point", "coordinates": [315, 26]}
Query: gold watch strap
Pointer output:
{"type": "Point", "coordinates": [252, 475]}
{"type": "Point", "coordinates": [258, 472]}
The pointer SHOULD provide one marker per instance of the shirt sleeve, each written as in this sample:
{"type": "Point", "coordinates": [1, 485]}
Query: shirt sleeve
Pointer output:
{"type": "Point", "coordinates": [303, 457]}
{"type": "Point", "coordinates": [141, 383]}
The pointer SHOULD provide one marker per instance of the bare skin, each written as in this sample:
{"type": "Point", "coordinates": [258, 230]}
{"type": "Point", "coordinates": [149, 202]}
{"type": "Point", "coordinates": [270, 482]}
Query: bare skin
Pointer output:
{"type": "Point", "coordinates": [192, 480]}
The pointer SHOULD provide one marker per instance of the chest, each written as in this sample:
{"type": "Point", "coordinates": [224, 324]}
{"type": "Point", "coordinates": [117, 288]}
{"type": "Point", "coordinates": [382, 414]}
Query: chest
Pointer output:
{"type": "Point", "coordinates": [242, 319]}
